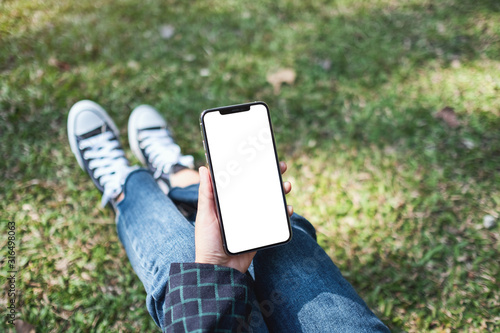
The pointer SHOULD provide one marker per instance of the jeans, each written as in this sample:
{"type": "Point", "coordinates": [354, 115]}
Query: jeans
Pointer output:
{"type": "Point", "coordinates": [297, 286]}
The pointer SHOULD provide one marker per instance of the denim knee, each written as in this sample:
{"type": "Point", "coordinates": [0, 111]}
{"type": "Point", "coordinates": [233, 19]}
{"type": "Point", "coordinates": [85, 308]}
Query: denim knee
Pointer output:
{"type": "Point", "coordinates": [300, 223]}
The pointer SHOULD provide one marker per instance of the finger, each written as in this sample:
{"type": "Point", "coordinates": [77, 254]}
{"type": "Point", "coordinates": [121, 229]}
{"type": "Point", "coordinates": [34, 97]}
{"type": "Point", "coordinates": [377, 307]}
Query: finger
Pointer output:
{"type": "Point", "coordinates": [287, 187]}
{"type": "Point", "coordinates": [283, 167]}
{"type": "Point", "coordinates": [205, 197]}
{"type": "Point", "coordinates": [289, 208]}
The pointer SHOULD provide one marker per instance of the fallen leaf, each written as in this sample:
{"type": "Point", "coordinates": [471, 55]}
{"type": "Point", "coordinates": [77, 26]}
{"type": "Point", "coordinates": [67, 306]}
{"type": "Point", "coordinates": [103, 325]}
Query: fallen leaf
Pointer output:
{"type": "Point", "coordinates": [167, 31]}
{"type": "Point", "coordinates": [189, 57]}
{"type": "Point", "coordinates": [45, 298]}
{"type": "Point", "coordinates": [61, 65]}
{"type": "Point", "coordinates": [132, 64]}
{"type": "Point", "coordinates": [282, 75]}
{"type": "Point", "coordinates": [455, 63]}
{"type": "Point", "coordinates": [64, 314]}
{"type": "Point", "coordinates": [364, 176]}
{"type": "Point", "coordinates": [440, 27]}
{"type": "Point", "coordinates": [468, 143]}
{"type": "Point", "coordinates": [204, 72]}
{"type": "Point", "coordinates": [24, 327]}
{"type": "Point", "coordinates": [326, 64]}
{"type": "Point", "coordinates": [62, 265]}
{"type": "Point", "coordinates": [448, 115]}
{"type": "Point", "coordinates": [489, 222]}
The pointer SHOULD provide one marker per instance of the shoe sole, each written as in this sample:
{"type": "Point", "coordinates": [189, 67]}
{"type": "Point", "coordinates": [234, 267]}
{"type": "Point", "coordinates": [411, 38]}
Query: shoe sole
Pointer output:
{"type": "Point", "coordinates": [73, 113]}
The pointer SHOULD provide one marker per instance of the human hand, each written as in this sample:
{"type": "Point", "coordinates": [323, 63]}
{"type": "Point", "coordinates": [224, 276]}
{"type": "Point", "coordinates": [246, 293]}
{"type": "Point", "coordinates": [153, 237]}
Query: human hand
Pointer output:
{"type": "Point", "coordinates": [208, 239]}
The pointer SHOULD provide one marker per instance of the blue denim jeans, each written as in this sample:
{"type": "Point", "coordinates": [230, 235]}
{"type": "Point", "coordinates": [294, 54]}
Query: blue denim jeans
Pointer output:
{"type": "Point", "coordinates": [297, 286]}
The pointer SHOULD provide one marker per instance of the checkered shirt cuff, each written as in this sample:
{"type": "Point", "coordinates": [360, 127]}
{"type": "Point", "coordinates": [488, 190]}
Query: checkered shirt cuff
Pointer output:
{"type": "Point", "coordinates": [206, 298]}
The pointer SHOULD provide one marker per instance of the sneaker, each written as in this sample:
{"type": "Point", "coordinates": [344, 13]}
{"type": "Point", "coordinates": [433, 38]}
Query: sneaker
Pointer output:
{"type": "Point", "coordinates": [153, 145]}
{"type": "Point", "coordinates": [93, 138]}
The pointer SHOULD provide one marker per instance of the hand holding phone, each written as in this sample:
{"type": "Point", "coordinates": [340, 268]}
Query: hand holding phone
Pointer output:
{"type": "Point", "coordinates": [208, 241]}
{"type": "Point", "coordinates": [246, 179]}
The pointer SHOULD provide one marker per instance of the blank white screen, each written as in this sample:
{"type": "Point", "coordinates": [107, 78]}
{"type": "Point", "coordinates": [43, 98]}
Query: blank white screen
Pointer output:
{"type": "Point", "coordinates": [247, 178]}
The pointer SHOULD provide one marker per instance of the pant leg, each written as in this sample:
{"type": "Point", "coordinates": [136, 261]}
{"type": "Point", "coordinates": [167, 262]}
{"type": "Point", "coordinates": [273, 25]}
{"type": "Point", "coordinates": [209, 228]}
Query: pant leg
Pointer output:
{"type": "Point", "coordinates": [300, 289]}
{"type": "Point", "coordinates": [154, 234]}
{"type": "Point", "coordinates": [186, 198]}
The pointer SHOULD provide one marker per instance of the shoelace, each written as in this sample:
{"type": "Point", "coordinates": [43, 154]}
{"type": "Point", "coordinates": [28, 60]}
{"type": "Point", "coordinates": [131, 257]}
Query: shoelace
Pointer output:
{"type": "Point", "coordinates": [108, 162]}
{"type": "Point", "coordinates": [162, 151]}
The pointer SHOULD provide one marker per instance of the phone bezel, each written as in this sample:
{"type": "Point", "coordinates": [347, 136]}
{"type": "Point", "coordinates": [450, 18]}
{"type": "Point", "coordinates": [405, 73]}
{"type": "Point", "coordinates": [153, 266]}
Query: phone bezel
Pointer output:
{"type": "Point", "coordinates": [229, 110]}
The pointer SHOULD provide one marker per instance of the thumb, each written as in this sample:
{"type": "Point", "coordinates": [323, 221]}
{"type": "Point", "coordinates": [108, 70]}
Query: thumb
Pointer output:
{"type": "Point", "coordinates": [205, 194]}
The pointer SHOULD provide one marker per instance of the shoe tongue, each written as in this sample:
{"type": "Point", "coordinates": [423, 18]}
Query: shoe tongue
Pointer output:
{"type": "Point", "coordinates": [99, 130]}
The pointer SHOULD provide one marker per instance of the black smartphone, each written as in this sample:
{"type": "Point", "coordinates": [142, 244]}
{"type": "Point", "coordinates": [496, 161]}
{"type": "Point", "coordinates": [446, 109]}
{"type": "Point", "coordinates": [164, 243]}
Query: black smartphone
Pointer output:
{"type": "Point", "coordinates": [246, 178]}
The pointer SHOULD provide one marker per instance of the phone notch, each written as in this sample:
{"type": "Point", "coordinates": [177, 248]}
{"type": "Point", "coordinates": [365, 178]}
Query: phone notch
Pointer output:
{"type": "Point", "coordinates": [238, 108]}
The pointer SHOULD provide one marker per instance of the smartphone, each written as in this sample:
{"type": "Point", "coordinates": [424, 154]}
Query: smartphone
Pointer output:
{"type": "Point", "coordinates": [241, 155]}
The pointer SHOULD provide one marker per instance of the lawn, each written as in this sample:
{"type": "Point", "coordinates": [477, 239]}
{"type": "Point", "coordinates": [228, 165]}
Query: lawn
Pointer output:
{"type": "Point", "coordinates": [397, 190]}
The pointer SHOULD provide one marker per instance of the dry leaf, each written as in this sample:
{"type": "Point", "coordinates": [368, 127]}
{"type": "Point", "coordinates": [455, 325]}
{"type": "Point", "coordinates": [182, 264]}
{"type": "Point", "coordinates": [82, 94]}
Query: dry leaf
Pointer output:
{"type": "Point", "coordinates": [489, 222]}
{"type": "Point", "coordinates": [62, 265]}
{"type": "Point", "coordinates": [204, 72]}
{"type": "Point", "coordinates": [45, 298]}
{"type": "Point", "coordinates": [283, 75]}
{"type": "Point", "coordinates": [132, 64]}
{"type": "Point", "coordinates": [364, 176]}
{"type": "Point", "coordinates": [326, 64]}
{"type": "Point", "coordinates": [24, 327]}
{"type": "Point", "coordinates": [61, 65]}
{"type": "Point", "coordinates": [167, 31]}
{"type": "Point", "coordinates": [448, 115]}
{"type": "Point", "coordinates": [468, 143]}
{"type": "Point", "coordinates": [64, 314]}
{"type": "Point", "coordinates": [455, 63]}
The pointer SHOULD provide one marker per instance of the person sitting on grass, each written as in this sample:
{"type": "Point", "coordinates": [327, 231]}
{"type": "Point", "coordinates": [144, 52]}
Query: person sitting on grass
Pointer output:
{"type": "Point", "coordinates": [167, 223]}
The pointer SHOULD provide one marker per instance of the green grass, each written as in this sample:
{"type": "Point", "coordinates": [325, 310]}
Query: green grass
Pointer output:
{"type": "Point", "coordinates": [396, 195]}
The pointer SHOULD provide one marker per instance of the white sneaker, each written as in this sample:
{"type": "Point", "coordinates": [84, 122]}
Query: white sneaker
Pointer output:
{"type": "Point", "coordinates": [93, 138]}
{"type": "Point", "coordinates": [153, 145]}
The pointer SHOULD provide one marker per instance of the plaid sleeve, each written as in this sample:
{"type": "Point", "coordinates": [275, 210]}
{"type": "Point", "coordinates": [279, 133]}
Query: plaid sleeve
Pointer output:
{"type": "Point", "coordinates": [206, 298]}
